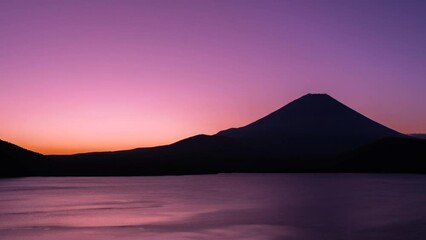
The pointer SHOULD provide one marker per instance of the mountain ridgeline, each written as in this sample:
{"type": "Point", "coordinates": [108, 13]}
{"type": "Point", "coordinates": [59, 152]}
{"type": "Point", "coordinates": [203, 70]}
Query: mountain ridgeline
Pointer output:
{"type": "Point", "coordinates": [314, 133]}
{"type": "Point", "coordinates": [312, 124]}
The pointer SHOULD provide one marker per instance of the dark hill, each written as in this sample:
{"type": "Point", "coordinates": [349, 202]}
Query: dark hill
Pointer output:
{"type": "Point", "coordinates": [418, 135]}
{"type": "Point", "coordinates": [16, 161]}
{"type": "Point", "coordinates": [195, 155]}
{"type": "Point", "coordinates": [390, 155]}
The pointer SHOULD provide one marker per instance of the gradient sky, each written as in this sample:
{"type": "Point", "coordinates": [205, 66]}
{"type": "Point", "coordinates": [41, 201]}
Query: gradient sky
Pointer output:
{"type": "Point", "coordinates": [88, 75]}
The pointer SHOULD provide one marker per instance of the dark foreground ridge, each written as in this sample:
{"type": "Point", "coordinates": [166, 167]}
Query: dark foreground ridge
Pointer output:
{"type": "Point", "coordinates": [16, 161]}
{"type": "Point", "coordinates": [314, 133]}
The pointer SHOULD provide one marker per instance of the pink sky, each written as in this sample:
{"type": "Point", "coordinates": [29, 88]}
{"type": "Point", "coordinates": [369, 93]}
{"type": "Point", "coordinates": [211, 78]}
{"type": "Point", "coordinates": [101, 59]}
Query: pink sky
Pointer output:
{"type": "Point", "coordinates": [79, 76]}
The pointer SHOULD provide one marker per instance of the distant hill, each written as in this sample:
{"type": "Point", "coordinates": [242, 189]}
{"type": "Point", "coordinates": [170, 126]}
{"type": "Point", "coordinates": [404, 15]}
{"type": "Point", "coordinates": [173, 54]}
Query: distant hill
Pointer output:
{"type": "Point", "coordinates": [418, 135]}
{"type": "Point", "coordinates": [387, 155]}
{"type": "Point", "coordinates": [17, 161]}
{"type": "Point", "coordinates": [195, 155]}
{"type": "Point", "coordinates": [314, 133]}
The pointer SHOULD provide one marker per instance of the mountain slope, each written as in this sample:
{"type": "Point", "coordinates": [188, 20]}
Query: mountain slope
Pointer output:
{"type": "Point", "coordinates": [312, 124]}
{"type": "Point", "coordinates": [17, 161]}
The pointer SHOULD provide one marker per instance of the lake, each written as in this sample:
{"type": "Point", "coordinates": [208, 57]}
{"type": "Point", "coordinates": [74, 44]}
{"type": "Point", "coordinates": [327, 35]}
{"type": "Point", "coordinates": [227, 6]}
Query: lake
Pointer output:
{"type": "Point", "coordinates": [224, 206]}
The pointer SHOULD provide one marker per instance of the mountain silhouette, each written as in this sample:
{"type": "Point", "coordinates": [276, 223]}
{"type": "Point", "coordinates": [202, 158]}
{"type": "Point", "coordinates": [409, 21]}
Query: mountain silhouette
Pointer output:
{"type": "Point", "coordinates": [312, 124]}
{"type": "Point", "coordinates": [314, 133]}
{"type": "Point", "coordinates": [17, 161]}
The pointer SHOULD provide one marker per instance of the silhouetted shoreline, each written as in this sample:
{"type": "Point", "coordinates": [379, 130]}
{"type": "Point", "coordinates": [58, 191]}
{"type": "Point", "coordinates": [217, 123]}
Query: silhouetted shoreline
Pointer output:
{"type": "Point", "coordinates": [314, 133]}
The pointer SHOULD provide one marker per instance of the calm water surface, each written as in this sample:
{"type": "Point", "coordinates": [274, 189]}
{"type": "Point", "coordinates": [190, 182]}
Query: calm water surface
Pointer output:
{"type": "Point", "coordinates": [229, 206]}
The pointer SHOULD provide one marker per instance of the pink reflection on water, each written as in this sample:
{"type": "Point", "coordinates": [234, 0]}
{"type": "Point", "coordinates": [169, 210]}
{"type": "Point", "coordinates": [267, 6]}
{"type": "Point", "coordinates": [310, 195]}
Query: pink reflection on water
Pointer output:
{"type": "Point", "coordinates": [251, 206]}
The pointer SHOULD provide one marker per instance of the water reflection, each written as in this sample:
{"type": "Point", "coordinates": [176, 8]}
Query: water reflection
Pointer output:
{"type": "Point", "coordinates": [233, 206]}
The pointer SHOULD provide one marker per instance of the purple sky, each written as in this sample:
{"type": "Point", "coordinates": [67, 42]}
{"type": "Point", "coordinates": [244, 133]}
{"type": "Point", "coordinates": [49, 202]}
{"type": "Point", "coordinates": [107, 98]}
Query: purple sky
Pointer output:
{"type": "Point", "coordinates": [104, 75]}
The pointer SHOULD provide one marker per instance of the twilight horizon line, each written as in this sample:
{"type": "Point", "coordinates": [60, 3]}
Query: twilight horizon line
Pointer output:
{"type": "Point", "coordinates": [295, 100]}
{"type": "Point", "coordinates": [79, 76]}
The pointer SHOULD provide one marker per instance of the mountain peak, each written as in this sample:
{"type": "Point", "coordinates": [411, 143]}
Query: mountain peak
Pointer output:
{"type": "Point", "coordinates": [311, 105]}
{"type": "Point", "coordinates": [316, 95]}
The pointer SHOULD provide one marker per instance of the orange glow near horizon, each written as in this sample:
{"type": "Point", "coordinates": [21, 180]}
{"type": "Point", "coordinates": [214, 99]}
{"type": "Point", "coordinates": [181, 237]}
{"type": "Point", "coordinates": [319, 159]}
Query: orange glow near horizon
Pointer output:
{"type": "Point", "coordinates": [108, 138]}
{"type": "Point", "coordinates": [79, 76]}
